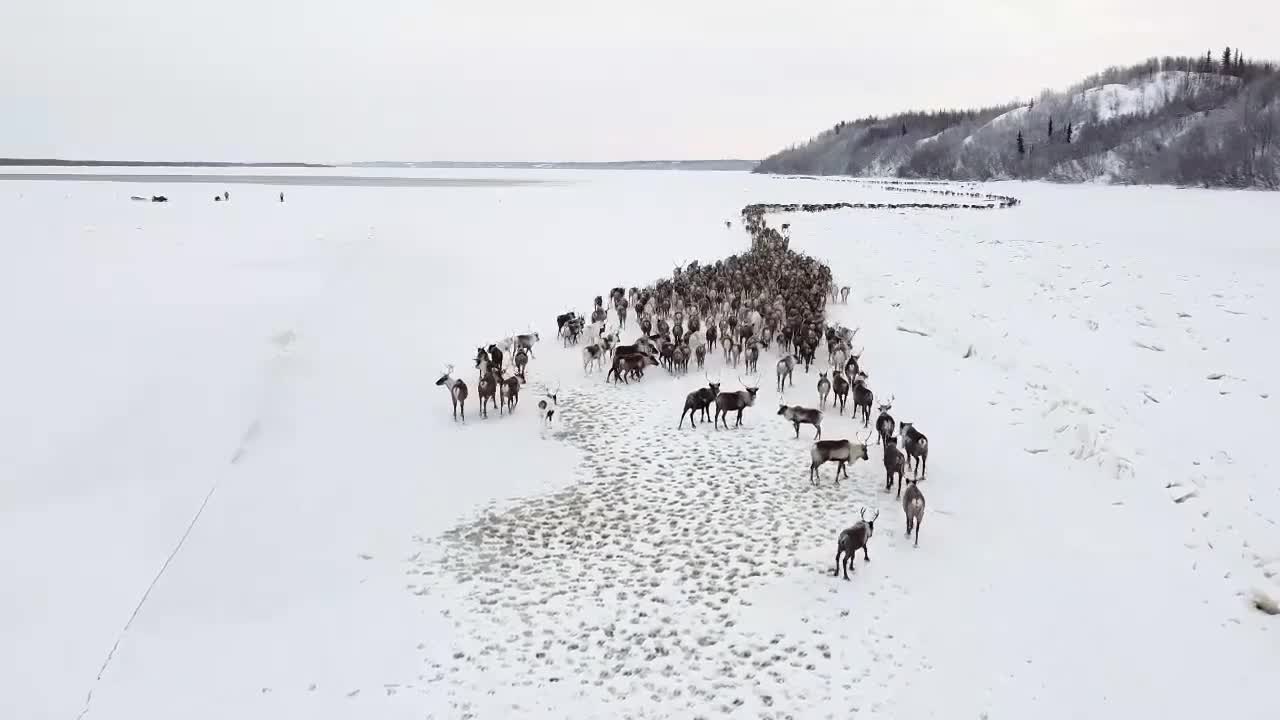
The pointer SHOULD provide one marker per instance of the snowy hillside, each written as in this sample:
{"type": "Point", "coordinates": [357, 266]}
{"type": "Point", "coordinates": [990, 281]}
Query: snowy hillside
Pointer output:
{"type": "Point", "coordinates": [235, 491]}
{"type": "Point", "coordinates": [1166, 121]}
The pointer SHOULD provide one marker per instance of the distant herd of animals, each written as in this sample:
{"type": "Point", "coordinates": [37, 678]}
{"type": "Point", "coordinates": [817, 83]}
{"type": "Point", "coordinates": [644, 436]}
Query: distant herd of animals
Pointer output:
{"type": "Point", "coordinates": [770, 296]}
{"type": "Point", "coordinates": [221, 197]}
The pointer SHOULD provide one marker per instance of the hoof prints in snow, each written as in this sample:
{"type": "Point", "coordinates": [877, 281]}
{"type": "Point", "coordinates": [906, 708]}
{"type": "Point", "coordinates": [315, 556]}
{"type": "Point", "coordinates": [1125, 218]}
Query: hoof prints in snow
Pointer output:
{"type": "Point", "coordinates": [636, 584]}
{"type": "Point", "coordinates": [640, 584]}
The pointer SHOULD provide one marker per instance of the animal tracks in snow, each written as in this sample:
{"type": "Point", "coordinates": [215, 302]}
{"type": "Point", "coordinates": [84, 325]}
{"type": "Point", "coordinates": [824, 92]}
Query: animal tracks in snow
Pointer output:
{"type": "Point", "coordinates": [656, 574]}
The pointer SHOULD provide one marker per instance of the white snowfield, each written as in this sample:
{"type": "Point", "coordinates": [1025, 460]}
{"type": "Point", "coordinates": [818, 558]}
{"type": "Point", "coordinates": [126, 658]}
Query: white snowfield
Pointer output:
{"type": "Point", "coordinates": [1102, 500]}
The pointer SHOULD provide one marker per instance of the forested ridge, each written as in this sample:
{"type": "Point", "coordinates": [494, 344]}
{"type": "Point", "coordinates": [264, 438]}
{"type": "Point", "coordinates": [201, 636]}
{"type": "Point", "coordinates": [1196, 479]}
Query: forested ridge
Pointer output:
{"type": "Point", "coordinates": [1209, 120]}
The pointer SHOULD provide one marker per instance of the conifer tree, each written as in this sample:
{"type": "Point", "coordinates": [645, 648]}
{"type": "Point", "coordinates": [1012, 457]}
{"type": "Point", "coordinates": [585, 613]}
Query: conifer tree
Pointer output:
{"type": "Point", "coordinates": [1022, 148]}
{"type": "Point", "coordinates": [1051, 128]}
{"type": "Point", "coordinates": [1068, 132]}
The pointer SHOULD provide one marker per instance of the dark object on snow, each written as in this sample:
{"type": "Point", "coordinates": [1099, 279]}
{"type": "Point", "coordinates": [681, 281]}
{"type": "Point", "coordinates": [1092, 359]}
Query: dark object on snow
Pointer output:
{"type": "Point", "coordinates": [159, 198]}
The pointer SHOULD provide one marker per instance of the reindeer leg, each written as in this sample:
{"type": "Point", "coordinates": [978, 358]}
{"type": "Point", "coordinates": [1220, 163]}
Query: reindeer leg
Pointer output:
{"type": "Point", "coordinates": [839, 552]}
{"type": "Point", "coordinates": [818, 436]}
{"type": "Point", "coordinates": [797, 430]}
{"type": "Point", "coordinates": [919, 522]}
{"type": "Point", "coordinates": [865, 556]}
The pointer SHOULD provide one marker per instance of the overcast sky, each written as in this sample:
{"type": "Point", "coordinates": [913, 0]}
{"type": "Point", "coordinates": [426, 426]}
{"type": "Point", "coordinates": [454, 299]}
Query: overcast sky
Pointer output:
{"type": "Point", "coordinates": [331, 80]}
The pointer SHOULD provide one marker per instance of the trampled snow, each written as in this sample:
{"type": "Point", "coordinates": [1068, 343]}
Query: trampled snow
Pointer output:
{"type": "Point", "coordinates": [1101, 499]}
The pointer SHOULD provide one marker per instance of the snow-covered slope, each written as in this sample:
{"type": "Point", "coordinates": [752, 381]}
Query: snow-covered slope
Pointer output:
{"type": "Point", "coordinates": [1115, 100]}
{"type": "Point", "coordinates": [1123, 126]}
{"type": "Point", "coordinates": [267, 371]}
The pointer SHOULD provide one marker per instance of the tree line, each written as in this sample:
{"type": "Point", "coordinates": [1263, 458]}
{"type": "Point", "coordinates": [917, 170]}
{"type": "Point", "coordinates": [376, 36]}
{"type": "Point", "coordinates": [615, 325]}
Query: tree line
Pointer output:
{"type": "Point", "coordinates": [1211, 119]}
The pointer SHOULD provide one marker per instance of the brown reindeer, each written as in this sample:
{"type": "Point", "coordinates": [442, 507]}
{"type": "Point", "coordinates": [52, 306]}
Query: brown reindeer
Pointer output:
{"type": "Point", "coordinates": [488, 389]}
{"type": "Point", "coordinates": [457, 392]}
{"type": "Point", "coordinates": [510, 393]}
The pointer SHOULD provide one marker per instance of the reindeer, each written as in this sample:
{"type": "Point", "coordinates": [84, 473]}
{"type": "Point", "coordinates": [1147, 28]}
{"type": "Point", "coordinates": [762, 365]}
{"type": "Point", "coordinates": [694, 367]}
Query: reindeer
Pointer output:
{"type": "Point", "coordinates": [784, 339]}
{"type": "Point", "coordinates": [569, 333]}
{"type": "Point", "coordinates": [806, 354]}
{"type": "Point", "coordinates": [700, 355]}
{"type": "Point", "coordinates": [841, 452]}
{"type": "Point", "coordinates": [592, 357]}
{"type": "Point", "coordinates": [884, 423]}
{"type": "Point", "coordinates": [733, 353]}
{"type": "Point", "coordinates": [840, 386]}
{"type": "Point", "coordinates": [838, 356]}
{"type": "Point", "coordinates": [711, 337]}
{"type": "Point", "coordinates": [522, 361]}
{"type": "Point", "coordinates": [894, 465]}
{"type": "Point", "coordinates": [786, 366]}
{"type": "Point", "coordinates": [488, 390]}
{"type": "Point", "coordinates": [824, 388]}
{"type": "Point", "coordinates": [457, 392]}
{"type": "Point", "coordinates": [851, 367]}
{"type": "Point", "coordinates": [526, 342]}
{"type": "Point", "coordinates": [916, 446]}
{"type": "Point", "coordinates": [632, 364]}
{"type": "Point", "coordinates": [643, 344]}
{"type": "Point", "coordinates": [620, 307]}
{"type": "Point", "coordinates": [495, 355]}
{"type": "Point", "coordinates": [797, 416]}
{"type": "Point", "coordinates": [863, 399]}
{"type": "Point", "coordinates": [844, 295]}
{"type": "Point", "coordinates": [547, 406]}
{"type": "Point", "coordinates": [564, 324]}
{"type": "Point", "coordinates": [680, 360]}
{"type": "Point", "coordinates": [913, 506]}
{"type": "Point", "coordinates": [753, 358]}
{"type": "Point", "coordinates": [510, 393]}
{"type": "Point", "coordinates": [699, 400]}
{"type": "Point", "coordinates": [740, 400]}
{"type": "Point", "coordinates": [854, 539]}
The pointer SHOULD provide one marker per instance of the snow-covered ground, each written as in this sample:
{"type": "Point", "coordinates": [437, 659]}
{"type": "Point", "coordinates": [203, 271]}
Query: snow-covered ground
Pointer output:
{"type": "Point", "coordinates": [1100, 509]}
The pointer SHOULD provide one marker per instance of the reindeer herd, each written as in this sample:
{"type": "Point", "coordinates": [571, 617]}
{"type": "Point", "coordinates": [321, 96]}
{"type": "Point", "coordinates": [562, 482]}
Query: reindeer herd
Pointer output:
{"type": "Point", "coordinates": [740, 307]}
{"type": "Point", "coordinates": [498, 384]}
